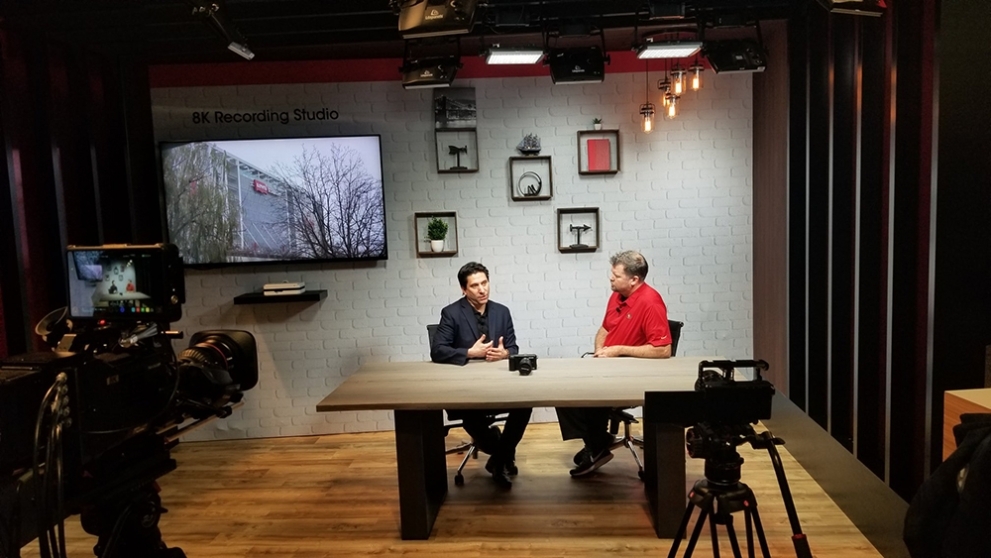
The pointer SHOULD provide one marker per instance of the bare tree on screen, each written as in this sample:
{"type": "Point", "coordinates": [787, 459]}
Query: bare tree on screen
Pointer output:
{"type": "Point", "coordinates": [203, 219]}
{"type": "Point", "coordinates": [335, 206]}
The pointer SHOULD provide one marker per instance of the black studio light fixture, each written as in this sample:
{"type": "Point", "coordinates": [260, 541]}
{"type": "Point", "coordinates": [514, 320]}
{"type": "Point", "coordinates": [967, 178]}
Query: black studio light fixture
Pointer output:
{"type": "Point", "coordinates": [577, 65]}
{"type": "Point", "coordinates": [217, 18]}
{"type": "Point", "coordinates": [503, 55]}
{"type": "Point", "coordinates": [873, 8]}
{"type": "Point", "coordinates": [431, 64]}
{"type": "Point", "coordinates": [736, 55]}
{"type": "Point", "coordinates": [435, 18]}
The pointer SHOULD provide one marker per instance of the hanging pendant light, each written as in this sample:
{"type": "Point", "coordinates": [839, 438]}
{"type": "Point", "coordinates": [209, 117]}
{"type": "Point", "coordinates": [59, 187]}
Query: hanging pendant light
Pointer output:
{"type": "Point", "coordinates": [677, 80]}
{"type": "Point", "coordinates": [696, 72]}
{"type": "Point", "coordinates": [671, 104]}
{"type": "Point", "coordinates": [647, 108]}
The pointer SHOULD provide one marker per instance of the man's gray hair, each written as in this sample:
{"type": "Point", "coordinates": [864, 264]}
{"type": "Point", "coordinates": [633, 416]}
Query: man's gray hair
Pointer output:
{"type": "Point", "coordinates": [632, 261]}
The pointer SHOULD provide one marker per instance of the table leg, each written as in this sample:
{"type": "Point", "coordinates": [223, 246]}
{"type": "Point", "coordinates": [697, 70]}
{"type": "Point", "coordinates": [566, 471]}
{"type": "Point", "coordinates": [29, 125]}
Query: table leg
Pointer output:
{"type": "Point", "coordinates": [422, 471]}
{"type": "Point", "coordinates": [664, 475]}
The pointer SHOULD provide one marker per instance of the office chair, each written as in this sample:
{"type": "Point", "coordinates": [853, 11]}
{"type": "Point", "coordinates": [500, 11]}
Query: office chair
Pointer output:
{"type": "Point", "coordinates": [467, 448]}
{"type": "Point", "coordinates": [620, 416]}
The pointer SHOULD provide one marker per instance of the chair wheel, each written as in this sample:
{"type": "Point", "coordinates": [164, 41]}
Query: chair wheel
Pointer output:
{"type": "Point", "coordinates": [459, 480]}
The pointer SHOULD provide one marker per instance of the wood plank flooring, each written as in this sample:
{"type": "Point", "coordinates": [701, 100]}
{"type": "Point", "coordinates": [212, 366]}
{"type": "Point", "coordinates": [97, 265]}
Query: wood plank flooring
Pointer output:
{"type": "Point", "coordinates": [337, 495]}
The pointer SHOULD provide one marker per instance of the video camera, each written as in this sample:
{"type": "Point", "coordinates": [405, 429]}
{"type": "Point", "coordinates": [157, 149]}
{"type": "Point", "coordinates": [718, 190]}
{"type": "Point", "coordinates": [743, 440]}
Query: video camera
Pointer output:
{"type": "Point", "coordinates": [90, 424]}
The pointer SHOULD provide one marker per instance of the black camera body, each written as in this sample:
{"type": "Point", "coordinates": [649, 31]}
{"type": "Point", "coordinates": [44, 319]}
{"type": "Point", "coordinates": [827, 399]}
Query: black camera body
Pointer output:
{"type": "Point", "coordinates": [523, 363]}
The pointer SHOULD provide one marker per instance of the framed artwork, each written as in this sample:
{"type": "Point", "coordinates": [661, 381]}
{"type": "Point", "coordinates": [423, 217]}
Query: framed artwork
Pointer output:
{"type": "Point", "coordinates": [436, 234]}
{"type": "Point", "coordinates": [457, 150]}
{"type": "Point", "coordinates": [455, 108]}
{"type": "Point", "coordinates": [530, 178]}
{"type": "Point", "coordinates": [598, 152]}
{"type": "Point", "coordinates": [578, 229]}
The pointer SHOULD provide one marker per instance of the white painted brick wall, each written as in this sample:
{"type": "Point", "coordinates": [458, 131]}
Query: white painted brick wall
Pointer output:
{"type": "Point", "coordinates": [683, 197]}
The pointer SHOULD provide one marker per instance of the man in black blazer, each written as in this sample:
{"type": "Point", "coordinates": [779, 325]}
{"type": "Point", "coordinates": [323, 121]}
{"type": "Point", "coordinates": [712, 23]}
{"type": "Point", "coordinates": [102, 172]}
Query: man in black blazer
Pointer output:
{"type": "Point", "coordinates": [476, 328]}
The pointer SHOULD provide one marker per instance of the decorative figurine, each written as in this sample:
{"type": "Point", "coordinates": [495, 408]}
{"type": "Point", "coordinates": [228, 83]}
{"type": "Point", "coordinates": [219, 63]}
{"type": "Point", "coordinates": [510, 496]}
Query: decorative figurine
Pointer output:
{"type": "Point", "coordinates": [578, 230]}
{"type": "Point", "coordinates": [530, 145]}
{"type": "Point", "coordinates": [457, 151]}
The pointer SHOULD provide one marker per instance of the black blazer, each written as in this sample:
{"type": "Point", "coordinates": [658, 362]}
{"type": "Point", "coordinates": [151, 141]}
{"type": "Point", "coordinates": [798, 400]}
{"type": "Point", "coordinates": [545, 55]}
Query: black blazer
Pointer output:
{"type": "Point", "coordinates": [458, 331]}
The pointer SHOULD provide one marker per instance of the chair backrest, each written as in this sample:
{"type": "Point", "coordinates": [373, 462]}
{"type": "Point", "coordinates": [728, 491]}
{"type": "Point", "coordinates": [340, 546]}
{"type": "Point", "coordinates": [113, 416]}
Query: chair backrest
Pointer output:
{"type": "Point", "coordinates": [432, 331]}
{"type": "Point", "coordinates": [675, 327]}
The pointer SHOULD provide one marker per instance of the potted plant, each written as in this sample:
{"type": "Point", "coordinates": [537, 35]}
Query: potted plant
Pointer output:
{"type": "Point", "coordinates": [436, 233]}
{"type": "Point", "coordinates": [597, 123]}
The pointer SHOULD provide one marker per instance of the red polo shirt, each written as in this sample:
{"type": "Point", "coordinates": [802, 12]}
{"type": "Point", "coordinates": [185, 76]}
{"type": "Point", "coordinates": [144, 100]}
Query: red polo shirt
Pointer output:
{"type": "Point", "coordinates": [640, 319]}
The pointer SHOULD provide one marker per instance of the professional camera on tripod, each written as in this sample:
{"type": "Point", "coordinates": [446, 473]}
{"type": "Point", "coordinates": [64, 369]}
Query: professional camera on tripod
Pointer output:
{"type": "Point", "coordinates": [88, 427]}
{"type": "Point", "coordinates": [720, 413]}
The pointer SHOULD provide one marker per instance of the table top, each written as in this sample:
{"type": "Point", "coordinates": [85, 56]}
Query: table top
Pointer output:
{"type": "Point", "coordinates": [557, 382]}
{"type": "Point", "coordinates": [980, 397]}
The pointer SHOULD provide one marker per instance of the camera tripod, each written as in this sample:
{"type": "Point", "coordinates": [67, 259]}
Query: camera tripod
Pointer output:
{"type": "Point", "coordinates": [721, 494]}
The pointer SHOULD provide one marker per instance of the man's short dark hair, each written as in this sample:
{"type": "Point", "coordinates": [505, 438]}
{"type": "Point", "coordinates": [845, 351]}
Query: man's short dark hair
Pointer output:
{"type": "Point", "coordinates": [633, 262]}
{"type": "Point", "coordinates": [470, 269]}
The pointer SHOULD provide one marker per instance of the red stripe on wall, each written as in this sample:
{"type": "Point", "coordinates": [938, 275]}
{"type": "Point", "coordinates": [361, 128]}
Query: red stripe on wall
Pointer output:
{"type": "Point", "coordinates": [343, 71]}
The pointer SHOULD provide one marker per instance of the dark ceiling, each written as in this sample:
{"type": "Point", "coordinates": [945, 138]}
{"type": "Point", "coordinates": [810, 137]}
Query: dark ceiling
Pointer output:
{"type": "Point", "coordinates": [167, 31]}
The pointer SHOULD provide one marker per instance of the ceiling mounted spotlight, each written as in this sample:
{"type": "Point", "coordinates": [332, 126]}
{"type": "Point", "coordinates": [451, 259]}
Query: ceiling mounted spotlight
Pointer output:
{"type": "Point", "coordinates": [218, 20]}
{"type": "Point", "coordinates": [436, 18]}
{"type": "Point", "coordinates": [675, 49]}
{"type": "Point", "coordinates": [577, 65]}
{"type": "Point", "coordinates": [499, 55]}
{"type": "Point", "coordinates": [737, 55]}
{"type": "Point", "coordinates": [430, 73]}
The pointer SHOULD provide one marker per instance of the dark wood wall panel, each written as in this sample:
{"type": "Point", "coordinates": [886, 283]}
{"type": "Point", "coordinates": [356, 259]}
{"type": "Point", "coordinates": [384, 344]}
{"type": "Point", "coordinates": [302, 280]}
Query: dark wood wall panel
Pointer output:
{"type": "Point", "coordinates": [798, 180]}
{"type": "Point", "coordinates": [911, 249]}
{"type": "Point", "coordinates": [820, 104]}
{"type": "Point", "coordinates": [875, 288]}
{"type": "Point", "coordinates": [843, 223]}
{"type": "Point", "coordinates": [875, 136]}
{"type": "Point", "coordinates": [78, 167]}
{"type": "Point", "coordinates": [770, 208]}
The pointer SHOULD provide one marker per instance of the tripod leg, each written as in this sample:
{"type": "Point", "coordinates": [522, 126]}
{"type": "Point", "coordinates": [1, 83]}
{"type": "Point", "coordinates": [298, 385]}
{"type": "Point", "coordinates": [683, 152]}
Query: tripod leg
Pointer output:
{"type": "Point", "coordinates": [681, 530]}
{"type": "Point", "coordinates": [731, 532]}
{"type": "Point", "coordinates": [750, 532]}
{"type": "Point", "coordinates": [760, 531]}
{"type": "Point", "coordinates": [713, 534]}
{"type": "Point", "coordinates": [695, 533]}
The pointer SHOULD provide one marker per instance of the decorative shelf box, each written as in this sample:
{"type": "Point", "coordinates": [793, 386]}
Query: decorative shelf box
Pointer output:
{"type": "Point", "coordinates": [420, 221]}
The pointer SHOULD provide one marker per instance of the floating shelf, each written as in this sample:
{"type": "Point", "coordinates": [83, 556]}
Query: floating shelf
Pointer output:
{"type": "Point", "coordinates": [261, 298]}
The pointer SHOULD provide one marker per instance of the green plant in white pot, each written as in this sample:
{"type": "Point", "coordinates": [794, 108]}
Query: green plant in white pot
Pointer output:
{"type": "Point", "coordinates": [597, 123]}
{"type": "Point", "coordinates": [436, 232]}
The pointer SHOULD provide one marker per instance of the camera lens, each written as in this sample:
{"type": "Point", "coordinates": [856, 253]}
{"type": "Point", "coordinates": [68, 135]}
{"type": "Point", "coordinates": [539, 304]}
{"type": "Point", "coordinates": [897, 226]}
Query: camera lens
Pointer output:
{"type": "Point", "coordinates": [526, 366]}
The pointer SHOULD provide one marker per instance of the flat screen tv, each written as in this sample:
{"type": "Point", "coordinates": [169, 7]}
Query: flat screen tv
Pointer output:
{"type": "Point", "coordinates": [275, 200]}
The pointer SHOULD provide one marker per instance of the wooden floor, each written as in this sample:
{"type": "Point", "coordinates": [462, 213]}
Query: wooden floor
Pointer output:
{"type": "Point", "coordinates": [321, 496]}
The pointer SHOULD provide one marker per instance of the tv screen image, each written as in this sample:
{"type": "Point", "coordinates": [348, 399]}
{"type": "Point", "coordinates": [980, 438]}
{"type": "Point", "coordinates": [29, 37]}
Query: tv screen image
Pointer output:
{"type": "Point", "coordinates": [275, 200]}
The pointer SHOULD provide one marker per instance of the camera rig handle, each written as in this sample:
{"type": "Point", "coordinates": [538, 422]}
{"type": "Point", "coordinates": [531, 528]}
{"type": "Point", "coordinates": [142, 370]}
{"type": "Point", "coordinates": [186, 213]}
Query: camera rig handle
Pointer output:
{"type": "Point", "coordinates": [728, 366]}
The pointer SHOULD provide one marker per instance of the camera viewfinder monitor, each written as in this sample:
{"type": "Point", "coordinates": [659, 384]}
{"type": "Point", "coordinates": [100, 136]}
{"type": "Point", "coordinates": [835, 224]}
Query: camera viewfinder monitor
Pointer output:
{"type": "Point", "coordinates": [125, 283]}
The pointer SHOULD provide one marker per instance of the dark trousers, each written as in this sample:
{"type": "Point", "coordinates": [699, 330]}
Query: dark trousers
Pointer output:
{"type": "Point", "coordinates": [478, 425]}
{"type": "Point", "coordinates": [591, 424]}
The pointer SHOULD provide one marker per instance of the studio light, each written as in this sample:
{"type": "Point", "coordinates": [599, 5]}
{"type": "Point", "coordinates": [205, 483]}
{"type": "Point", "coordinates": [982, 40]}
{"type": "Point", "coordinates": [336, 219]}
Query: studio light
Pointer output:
{"type": "Point", "coordinates": [436, 18]}
{"type": "Point", "coordinates": [430, 73]}
{"type": "Point", "coordinates": [738, 55]}
{"type": "Point", "coordinates": [241, 50]}
{"type": "Point", "coordinates": [497, 55]}
{"type": "Point", "coordinates": [873, 8]}
{"type": "Point", "coordinates": [577, 65]}
{"type": "Point", "coordinates": [669, 49]}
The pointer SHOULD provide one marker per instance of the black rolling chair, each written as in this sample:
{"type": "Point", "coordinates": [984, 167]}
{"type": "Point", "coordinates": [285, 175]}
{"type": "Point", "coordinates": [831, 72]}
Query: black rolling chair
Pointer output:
{"type": "Point", "coordinates": [467, 448]}
{"type": "Point", "coordinates": [621, 416]}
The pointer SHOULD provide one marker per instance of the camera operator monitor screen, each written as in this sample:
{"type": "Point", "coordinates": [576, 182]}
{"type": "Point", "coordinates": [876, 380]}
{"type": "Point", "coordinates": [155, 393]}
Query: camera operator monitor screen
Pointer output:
{"type": "Point", "coordinates": [130, 283]}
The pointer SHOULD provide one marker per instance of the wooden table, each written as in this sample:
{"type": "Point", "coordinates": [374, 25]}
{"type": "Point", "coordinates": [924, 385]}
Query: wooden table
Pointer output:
{"type": "Point", "coordinates": [956, 403]}
{"type": "Point", "coordinates": [418, 392]}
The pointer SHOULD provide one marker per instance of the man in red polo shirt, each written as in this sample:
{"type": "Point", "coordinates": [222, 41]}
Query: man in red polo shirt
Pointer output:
{"type": "Point", "coordinates": [635, 325]}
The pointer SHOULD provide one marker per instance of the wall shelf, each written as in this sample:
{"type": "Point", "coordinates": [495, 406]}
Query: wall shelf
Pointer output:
{"type": "Point", "coordinates": [260, 298]}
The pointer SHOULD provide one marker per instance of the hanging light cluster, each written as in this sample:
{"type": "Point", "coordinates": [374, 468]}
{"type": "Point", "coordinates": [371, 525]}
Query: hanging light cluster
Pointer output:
{"type": "Point", "coordinates": [674, 83]}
